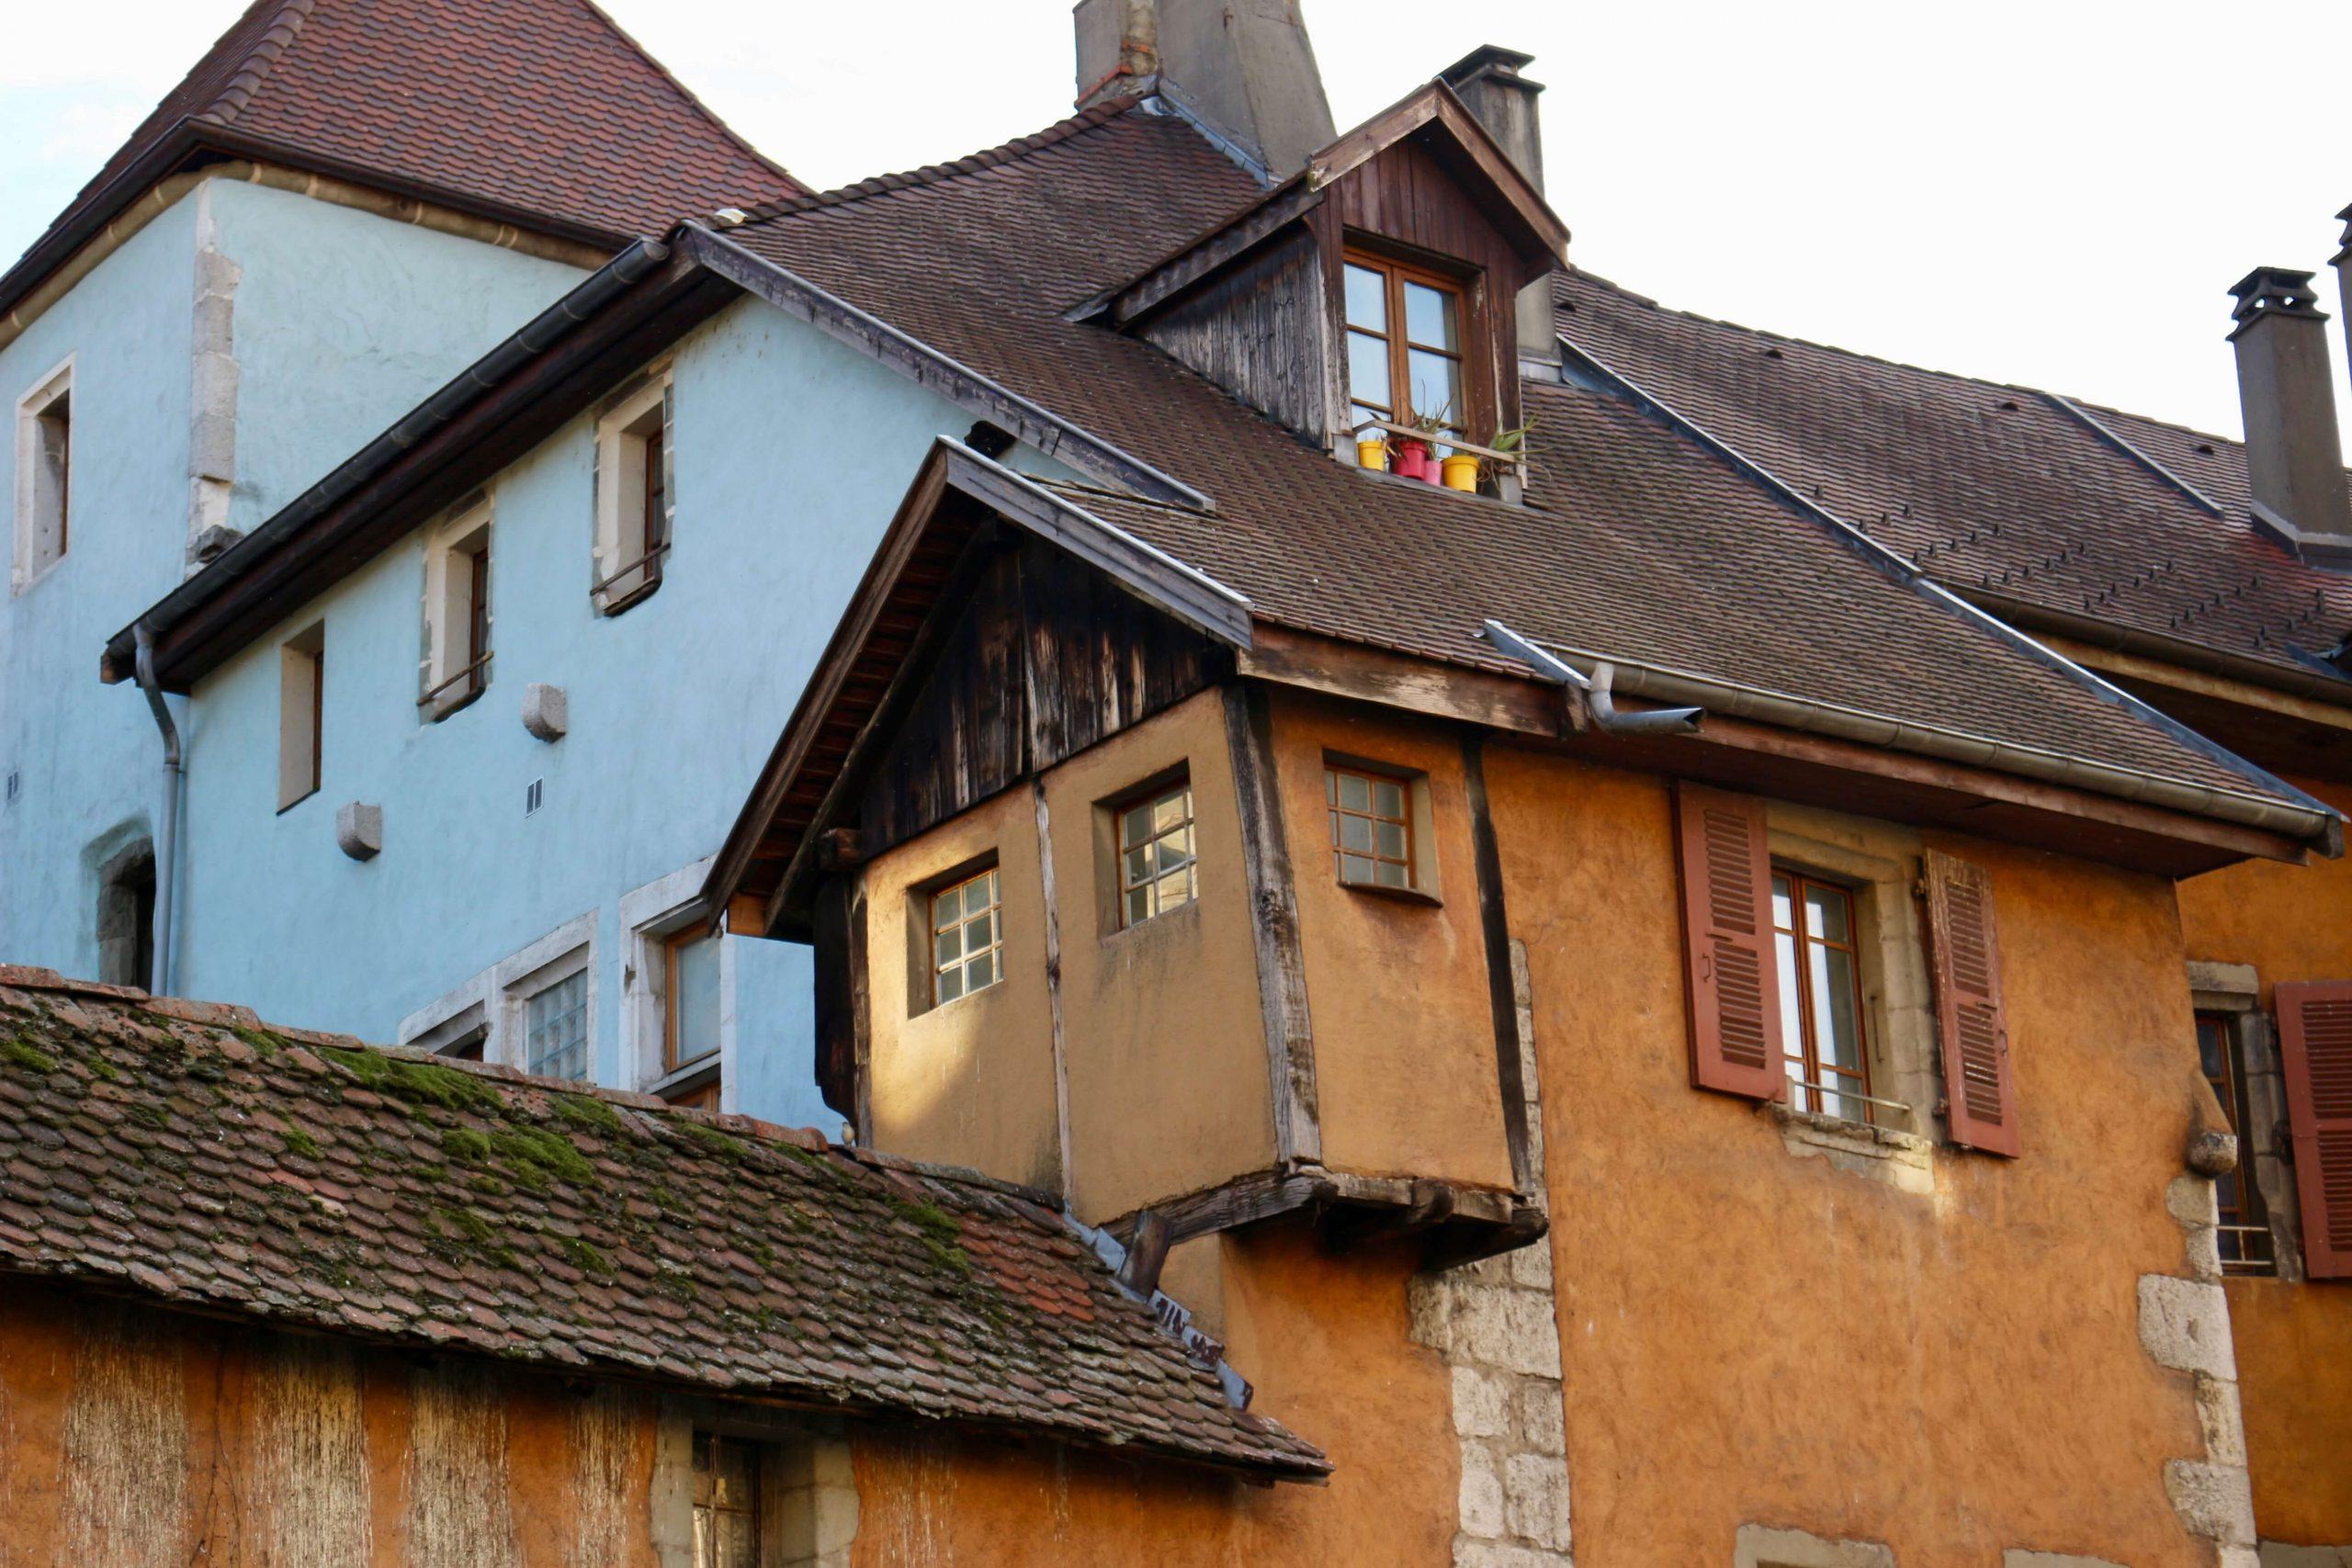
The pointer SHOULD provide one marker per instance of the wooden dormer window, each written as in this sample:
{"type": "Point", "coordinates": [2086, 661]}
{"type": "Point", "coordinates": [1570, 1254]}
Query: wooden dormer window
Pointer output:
{"type": "Point", "coordinates": [1405, 344]}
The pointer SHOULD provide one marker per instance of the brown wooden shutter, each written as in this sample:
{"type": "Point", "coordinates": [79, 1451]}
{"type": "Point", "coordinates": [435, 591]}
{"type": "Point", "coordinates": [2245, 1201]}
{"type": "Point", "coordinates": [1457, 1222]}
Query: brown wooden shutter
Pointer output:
{"type": "Point", "coordinates": [1980, 1088]}
{"type": "Point", "coordinates": [2315, 1049]}
{"type": "Point", "coordinates": [1730, 976]}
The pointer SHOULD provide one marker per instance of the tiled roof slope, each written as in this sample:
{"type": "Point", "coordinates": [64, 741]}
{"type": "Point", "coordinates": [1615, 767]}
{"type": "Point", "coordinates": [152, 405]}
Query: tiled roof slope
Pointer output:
{"type": "Point", "coordinates": [183, 1151]}
{"type": "Point", "coordinates": [539, 107]}
{"type": "Point", "coordinates": [1993, 489]}
{"type": "Point", "coordinates": [1645, 547]}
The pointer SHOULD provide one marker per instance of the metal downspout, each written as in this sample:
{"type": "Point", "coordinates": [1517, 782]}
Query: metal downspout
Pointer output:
{"type": "Point", "coordinates": [167, 840]}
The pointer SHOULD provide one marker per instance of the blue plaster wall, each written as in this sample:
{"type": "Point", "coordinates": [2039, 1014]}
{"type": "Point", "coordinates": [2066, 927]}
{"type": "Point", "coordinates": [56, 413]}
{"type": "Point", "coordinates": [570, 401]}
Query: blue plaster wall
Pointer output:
{"type": "Point", "coordinates": [88, 764]}
{"type": "Point", "coordinates": [791, 453]}
{"type": "Point", "coordinates": [342, 321]}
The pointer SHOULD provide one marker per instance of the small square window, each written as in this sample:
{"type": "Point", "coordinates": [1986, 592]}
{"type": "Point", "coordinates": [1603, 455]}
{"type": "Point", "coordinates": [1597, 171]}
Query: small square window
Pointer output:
{"type": "Point", "coordinates": [1371, 826]}
{"type": "Point", "coordinates": [44, 474]}
{"type": "Point", "coordinates": [555, 1022]}
{"type": "Point", "coordinates": [966, 937]}
{"type": "Point", "coordinates": [1156, 871]}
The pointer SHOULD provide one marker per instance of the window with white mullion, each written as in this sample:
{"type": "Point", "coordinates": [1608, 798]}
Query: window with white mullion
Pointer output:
{"type": "Point", "coordinates": [966, 937]}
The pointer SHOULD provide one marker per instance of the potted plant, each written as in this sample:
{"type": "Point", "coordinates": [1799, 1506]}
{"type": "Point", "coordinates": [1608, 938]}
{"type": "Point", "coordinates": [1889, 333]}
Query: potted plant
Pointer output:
{"type": "Point", "coordinates": [1415, 453]}
{"type": "Point", "coordinates": [1462, 469]}
{"type": "Point", "coordinates": [1372, 451]}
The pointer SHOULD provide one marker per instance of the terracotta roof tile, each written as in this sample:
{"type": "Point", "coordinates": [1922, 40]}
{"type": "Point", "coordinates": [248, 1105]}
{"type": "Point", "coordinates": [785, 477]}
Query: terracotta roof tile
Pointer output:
{"type": "Point", "coordinates": [1991, 488]}
{"type": "Point", "coordinates": [217, 1164]}
{"type": "Point", "coordinates": [533, 106]}
{"type": "Point", "coordinates": [1640, 545]}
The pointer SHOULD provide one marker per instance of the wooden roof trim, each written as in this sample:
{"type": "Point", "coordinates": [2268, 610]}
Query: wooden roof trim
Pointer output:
{"type": "Point", "coordinates": [1435, 103]}
{"type": "Point", "coordinates": [841, 699]}
{"type": "Point", "coordinates": [1293, 199]}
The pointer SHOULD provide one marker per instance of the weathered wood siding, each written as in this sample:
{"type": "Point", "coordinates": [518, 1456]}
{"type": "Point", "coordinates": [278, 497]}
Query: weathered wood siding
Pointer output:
{"type": "Point", "coordinates": [1047, 657]}
{"type": "Point", "coordinates": [1262, 329]}
{"type": "Point", "coordinates": [1408, 199]}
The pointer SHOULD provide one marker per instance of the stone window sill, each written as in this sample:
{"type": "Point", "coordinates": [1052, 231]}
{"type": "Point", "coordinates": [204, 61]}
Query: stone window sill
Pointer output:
{"type": "Point", "coordinates": [1903, 1160]}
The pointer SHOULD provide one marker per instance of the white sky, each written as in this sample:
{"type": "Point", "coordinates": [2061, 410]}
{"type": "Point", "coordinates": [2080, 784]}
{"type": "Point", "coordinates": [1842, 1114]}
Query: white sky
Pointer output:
{"type": "Point", "coordinates": [2054, 193]}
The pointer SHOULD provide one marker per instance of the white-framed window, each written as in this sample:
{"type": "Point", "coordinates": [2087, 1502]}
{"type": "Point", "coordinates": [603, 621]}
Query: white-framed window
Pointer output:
{"type": "Point", "coordinates": [635, 494]}
{"type": "Point", "coordinates": [967, 929]}
{"type": "Point", "coordinates": [302, 714]}
{"type": "Point", "coordinates": [555, 1028]}
{"type": "Point", "coordinates": [456, 665]}
{"type": "Point", "coordinates": [1156, 869]}
{"type": "Point", "coordinates": [678, 985]}
{"type": "Point", "coordinates": [536, 1005]}
{"type": "Point", "coordinates": [44, 475]}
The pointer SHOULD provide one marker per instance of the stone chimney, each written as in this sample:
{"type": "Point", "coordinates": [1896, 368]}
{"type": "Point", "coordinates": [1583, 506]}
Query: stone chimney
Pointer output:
{"type": "Point", "coordinates": [2294, 458]}
{"type": "Point", "coordinates": [1487, 82]}
{"type": "Point", "coordinates": [1246, 66]}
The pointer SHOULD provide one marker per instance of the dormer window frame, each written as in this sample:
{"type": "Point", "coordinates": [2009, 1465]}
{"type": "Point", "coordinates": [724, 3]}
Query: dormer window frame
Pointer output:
{"type": "Point", "coordinates": [1398, 274]}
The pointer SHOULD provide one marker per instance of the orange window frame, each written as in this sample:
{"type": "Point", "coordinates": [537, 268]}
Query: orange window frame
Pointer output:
{"type": "Point", "coordinates": [1400, 347]}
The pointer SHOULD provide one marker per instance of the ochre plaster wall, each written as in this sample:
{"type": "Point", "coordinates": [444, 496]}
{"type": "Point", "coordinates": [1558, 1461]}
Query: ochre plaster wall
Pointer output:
{"type": "Point", "coordinates": [1404, 1028]}
{"type": "Point", "coordinates": [970, 1082]}
{"type": "Point", "coordinates": [1166, 1043]}
{"type": "Point", "coordinates": [134, 1438]}
{"type": "Point", "coordinates": [1749, 1336]}
{"type": "Point", "coordinates": [2291, 923]}
{"type": "Point", "coordinates": [1326, 1338]}
{"type": "Point", "coordinates": [2294, 1345]}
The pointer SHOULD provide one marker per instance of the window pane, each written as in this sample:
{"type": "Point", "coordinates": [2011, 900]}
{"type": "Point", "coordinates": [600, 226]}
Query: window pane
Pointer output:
{"type": "Point", "coordinates": [1430, 318]}
{"type": "Point", "coordinates": [1437, 386]}
{"type": "Point", "coordinates": [1139, 905]}
{"type": "Point", "coordinates": [1389, 799]}
{"type": "Point", "coordinates": [981, 933]}
{"type": "Point", "coordinates": [1840, 1043]}
{"type": "Point", "coordinates": [951, 985]}
{"type": "Point", "coordinates": [1354, 868]}
{"type": "Point", "coordinates": [1783, 909]}
{"type": "Point", "coordinates": [555, 1029]}
{"type": "Point", "coordinates": [951, 944]}
{"type": "Point", "coordinates": [1389, 842]}
{"type": "Point", "coordinates": [1826, 911]}
{"type": "Point", "coordinates": [1367, 299]}
{"type": "Point", "coordinates": [1368, 370]}
{"type": "Point", "coordinates": [1170, 811]}
{"type": "Point", "coordinates": [1388, 873]}
{"type": "Point", "coordinates": [1355, 792]}
{"type": "Point", "coordinates": [1784, 949]}
{"type": "Point", "coordinates": [1136, 826]}
{"type": "Point", "coordinates": [1355, 833]}
{"type": "Point", "coordinates": [696, 1001]}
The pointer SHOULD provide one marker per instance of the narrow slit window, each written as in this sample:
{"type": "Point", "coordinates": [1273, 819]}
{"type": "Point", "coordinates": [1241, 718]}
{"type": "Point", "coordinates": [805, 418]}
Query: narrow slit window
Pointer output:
{"type": "Point", "coordinates": [458, 620]}
{"type": "Point", "coordinates": [727, 1526]}
{"type": "Point", "coordinates": [302, 714]}
{"type": "Point", "coordinates": [1405, 345]}
{"type": "Point", "coordinates": [44, 474]}
{"type": "Point", "coordinates": [1821, 996]}
{"type": "Point", "coordinates": [634, 508]}
{"type": "Point", "coordinates": [690, 997]}
{"type": "Point", "coordinates": [1371, 826]}
{"type": "Point", "coordinates": [966, 937]}
{"type": "Point", "coordinates": [1156, 858]}
{"type": "Point", "coordinates": [2245, 1238]}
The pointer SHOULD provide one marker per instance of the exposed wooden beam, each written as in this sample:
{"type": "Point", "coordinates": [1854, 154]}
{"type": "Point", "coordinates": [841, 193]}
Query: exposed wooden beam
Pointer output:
{"type": "Point", "coordinates": [1503, 1001]}
{"type": "Point", "coordinates": [1274, 906]}
{"type": "Point", "coordinates": [1316, 663]}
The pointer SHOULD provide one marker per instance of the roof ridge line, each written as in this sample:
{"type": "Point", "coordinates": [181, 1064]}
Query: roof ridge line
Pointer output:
{"type": "Point", "coordinates": [1891, 363]}
{"type": "Point", "coordinates": [927, 174]}
{"type": "Point", "coordinates": [693, 100]}
{"type": "Point", "coordinates": [259, 62]}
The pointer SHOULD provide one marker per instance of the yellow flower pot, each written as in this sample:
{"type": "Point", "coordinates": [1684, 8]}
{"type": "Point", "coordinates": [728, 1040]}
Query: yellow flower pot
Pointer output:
{"type": "Point", "coordinates": [1373, 455]}
{"type": "Point", "coordinates": [1461, 471]}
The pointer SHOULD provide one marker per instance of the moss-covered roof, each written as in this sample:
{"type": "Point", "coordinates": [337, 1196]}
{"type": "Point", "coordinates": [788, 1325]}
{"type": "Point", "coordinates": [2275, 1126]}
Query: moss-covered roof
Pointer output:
{"type": "Point", "coordinates": [186, 1152]}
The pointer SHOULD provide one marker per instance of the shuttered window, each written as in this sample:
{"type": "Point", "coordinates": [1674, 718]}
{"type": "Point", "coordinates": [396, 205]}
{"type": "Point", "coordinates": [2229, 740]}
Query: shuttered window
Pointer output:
{"type": "Point", "coordinates": [2315, 1052]}
{"type": "Point", "coordinates": [1733, 1000]}
{"type": "Point", "coordinates": [1980, 1089]}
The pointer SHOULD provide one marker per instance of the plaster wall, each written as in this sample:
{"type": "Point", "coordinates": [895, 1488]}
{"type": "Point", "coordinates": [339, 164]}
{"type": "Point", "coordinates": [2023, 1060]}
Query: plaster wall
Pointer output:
{"type": "Point", "coordinates": [790, 454]}
{"type": "Point", "coordinates": [968, 1082]}
{"type": "Point", "coordinates": [87, 764]}
{"type": "Point", "coordinates": [2291, 923]}
{"type": "Point", "coordinates": [2294, 1349]}
{"type": "Point", "coordinates": [1164, 1014]}
{"type": "Point", "coordinates": [1404, 1024]}
{"type": "Point", "coordinates": [1325, 1338]}
{"type": "Point", "coordinates": [1831, 1351]}
{"type": "Point", "coordinates": [334, 322]}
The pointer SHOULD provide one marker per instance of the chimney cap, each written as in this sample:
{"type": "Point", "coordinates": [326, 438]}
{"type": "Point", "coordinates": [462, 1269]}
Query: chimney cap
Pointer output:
{"type": "Point", "coordinates": [2344, 255]}
{"type": "Point", "coordinates": [1490, 59]}
{"type": "Point", "coordinates": [2274, 291]}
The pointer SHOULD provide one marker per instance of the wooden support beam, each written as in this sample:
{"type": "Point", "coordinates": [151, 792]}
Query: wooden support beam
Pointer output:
{"type": "Point", "coordinates": [1502, 1001]}
{"type": "Point", "coordinates": [1273, 904]}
